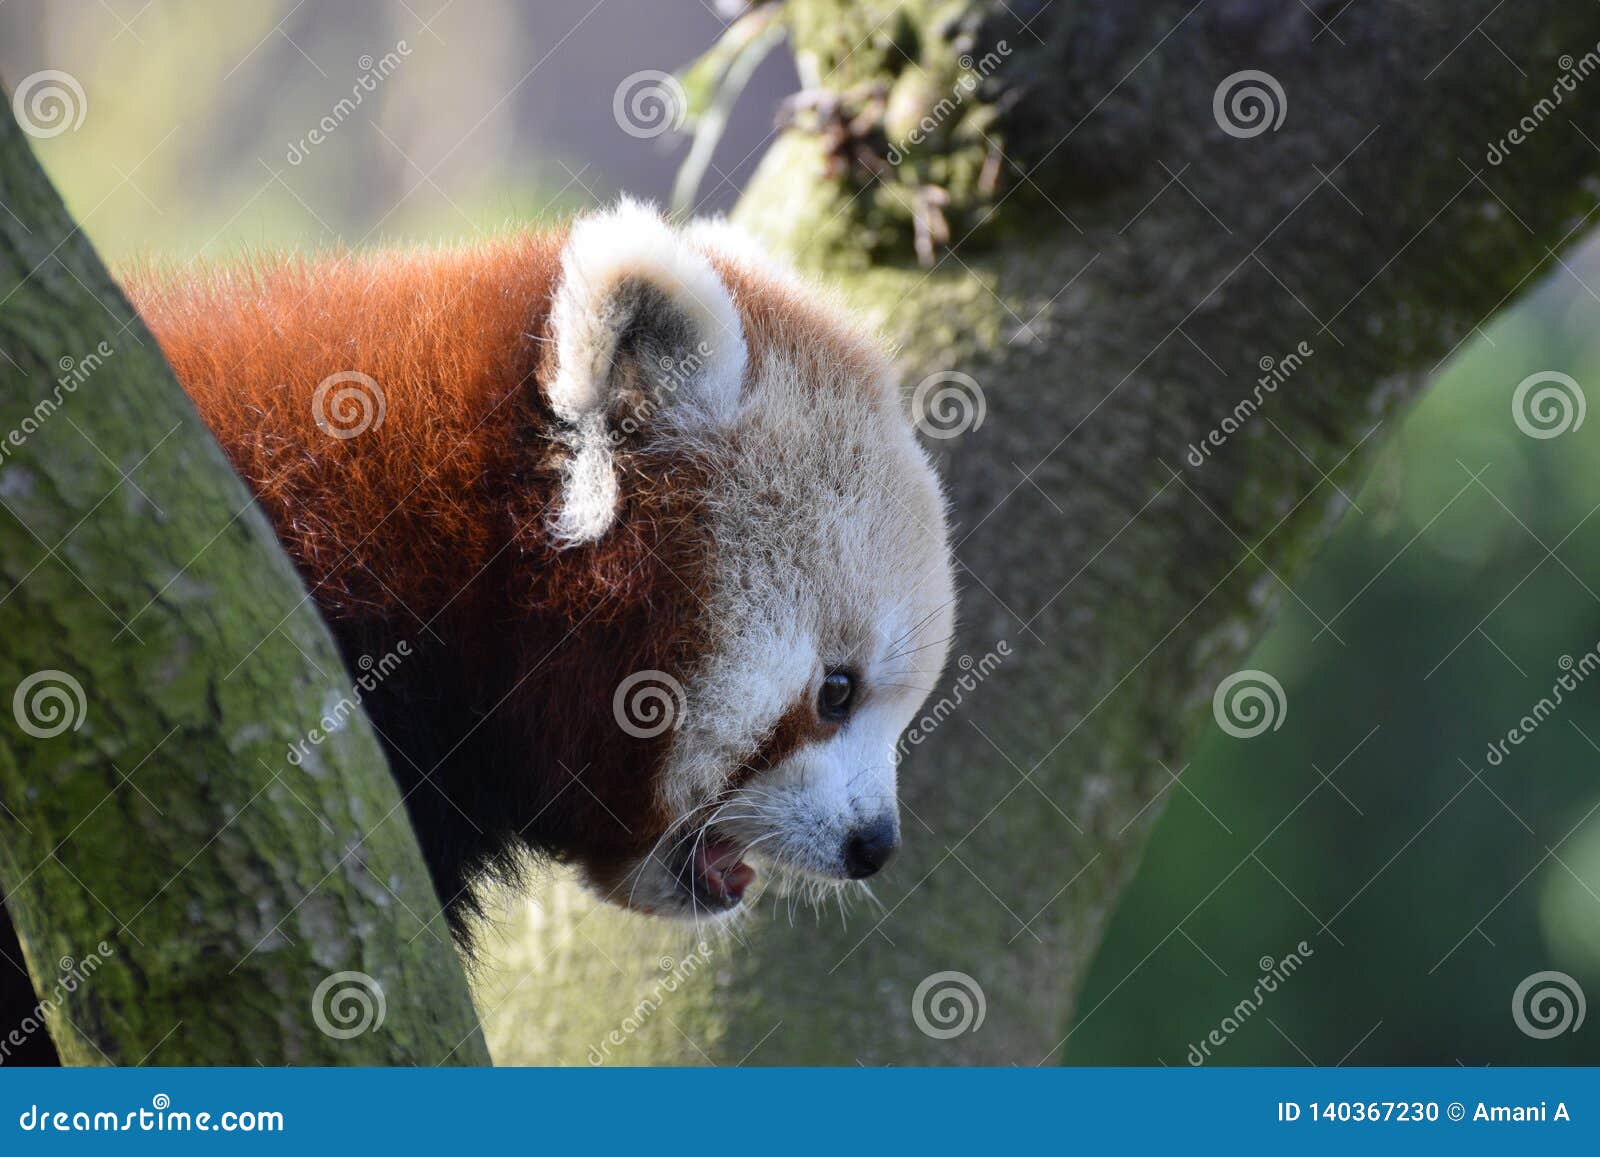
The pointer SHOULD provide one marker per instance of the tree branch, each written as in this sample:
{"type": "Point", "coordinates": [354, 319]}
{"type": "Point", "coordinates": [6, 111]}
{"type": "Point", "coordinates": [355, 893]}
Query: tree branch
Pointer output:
{"type": "Point", "coordinates": [181, 890]}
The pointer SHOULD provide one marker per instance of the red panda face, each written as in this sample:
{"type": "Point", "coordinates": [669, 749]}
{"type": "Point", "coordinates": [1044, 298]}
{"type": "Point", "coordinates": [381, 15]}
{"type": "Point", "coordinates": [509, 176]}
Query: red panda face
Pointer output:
{"type": "Point", "coordinates": [822, 595]}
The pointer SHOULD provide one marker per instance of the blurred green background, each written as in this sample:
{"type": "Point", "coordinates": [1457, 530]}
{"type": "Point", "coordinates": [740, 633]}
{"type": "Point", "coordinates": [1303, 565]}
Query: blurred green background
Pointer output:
{"type": "Point", "coordinates": [1426, 883]}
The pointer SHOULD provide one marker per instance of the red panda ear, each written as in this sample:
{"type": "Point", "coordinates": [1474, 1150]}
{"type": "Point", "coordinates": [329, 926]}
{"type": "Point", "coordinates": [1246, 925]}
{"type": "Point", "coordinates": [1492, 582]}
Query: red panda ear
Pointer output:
{"type": "Point", "coordinates": [646, 339]}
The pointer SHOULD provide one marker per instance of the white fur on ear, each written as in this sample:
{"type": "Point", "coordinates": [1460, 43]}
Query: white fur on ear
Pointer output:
{"type": "Point", "coordinates": [604, 253]}
{"type": "Point", "coordinates": [608, 259]}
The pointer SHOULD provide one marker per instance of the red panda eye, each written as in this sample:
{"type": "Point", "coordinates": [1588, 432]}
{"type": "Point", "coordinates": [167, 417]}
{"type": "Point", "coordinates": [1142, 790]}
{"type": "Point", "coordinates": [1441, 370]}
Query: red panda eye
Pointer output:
{"type": "Point", "coordinates": [836, 696]}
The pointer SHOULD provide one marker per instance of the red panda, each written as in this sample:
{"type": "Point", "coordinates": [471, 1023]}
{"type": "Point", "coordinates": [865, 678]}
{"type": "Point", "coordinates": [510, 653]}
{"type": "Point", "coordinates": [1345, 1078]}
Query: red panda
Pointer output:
{"type": "Point", "coordinates": [644, 511]}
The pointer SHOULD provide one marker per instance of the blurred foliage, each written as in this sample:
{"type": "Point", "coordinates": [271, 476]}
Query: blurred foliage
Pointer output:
{"type": "Point", "coordinates": [1427, 882]}
{"type": "Point", "coordinates": [196, 138]}
{"type": "Point", "coordinates": [439, 120]}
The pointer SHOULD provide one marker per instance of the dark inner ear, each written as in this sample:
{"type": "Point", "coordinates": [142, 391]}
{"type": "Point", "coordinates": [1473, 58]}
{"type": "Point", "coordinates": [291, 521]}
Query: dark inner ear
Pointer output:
{"type": "Point", "coordinates": [655, 354]}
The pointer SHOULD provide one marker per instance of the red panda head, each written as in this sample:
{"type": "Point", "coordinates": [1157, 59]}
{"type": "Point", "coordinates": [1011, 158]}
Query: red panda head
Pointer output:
{"type": "Point", "coordinates": [716, 420]}
{"type": "Point", "coordinates": [673, 569]}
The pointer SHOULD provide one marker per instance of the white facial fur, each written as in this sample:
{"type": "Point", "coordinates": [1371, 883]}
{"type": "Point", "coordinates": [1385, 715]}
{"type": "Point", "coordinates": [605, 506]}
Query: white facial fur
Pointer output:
{"type": "Point", "coordinates": [831, 551]}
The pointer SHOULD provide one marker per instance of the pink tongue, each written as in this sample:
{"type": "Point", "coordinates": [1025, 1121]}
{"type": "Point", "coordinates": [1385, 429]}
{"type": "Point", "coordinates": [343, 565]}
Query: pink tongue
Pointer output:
{"type": "Point", "coordinates": [717, 863]}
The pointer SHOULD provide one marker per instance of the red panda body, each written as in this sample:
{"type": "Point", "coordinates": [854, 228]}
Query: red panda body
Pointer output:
{"type": "Point", "coordinates": [541, 463]}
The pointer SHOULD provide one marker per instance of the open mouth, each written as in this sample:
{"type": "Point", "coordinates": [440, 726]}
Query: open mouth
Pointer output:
{"type": "Point", "coordinates": [715, 874]}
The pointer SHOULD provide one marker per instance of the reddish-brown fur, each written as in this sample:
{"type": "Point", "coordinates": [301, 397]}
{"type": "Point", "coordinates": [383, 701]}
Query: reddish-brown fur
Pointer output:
{"type": "Point", "coordinates": [430, 528]}
{"type": "Point", "coordinates": [442, 334]}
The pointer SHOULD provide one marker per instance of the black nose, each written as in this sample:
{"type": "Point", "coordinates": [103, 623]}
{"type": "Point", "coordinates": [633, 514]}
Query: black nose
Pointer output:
{"type": "Point", "coordinates": [868, 848]}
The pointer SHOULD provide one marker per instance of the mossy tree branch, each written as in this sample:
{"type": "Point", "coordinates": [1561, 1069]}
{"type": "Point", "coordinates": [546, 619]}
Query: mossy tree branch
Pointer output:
{"type": "Point", "coordinates": [181, 890]}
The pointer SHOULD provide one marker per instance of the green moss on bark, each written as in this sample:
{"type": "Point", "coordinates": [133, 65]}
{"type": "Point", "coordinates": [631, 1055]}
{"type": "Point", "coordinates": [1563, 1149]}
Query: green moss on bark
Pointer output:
{"type": "Point", "coordinates": [164, 657]}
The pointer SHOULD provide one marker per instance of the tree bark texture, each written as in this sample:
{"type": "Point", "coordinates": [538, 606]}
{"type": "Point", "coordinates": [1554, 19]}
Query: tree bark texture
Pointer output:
{"type": "Point", "coordinates": [183, 892]}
